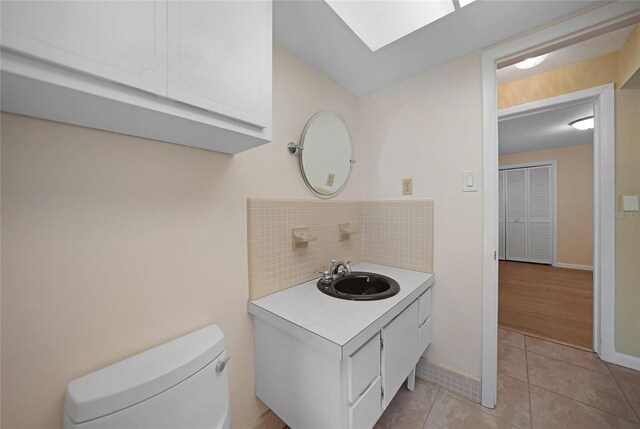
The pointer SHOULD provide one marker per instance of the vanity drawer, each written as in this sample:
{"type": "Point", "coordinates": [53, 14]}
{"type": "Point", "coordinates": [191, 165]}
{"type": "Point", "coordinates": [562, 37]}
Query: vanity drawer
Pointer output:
{"type": "Point", "coordinates": [425, 306]}
{"type": "Point", "coordinates": [368, 408]}
{"type": "Point", "coordinates": [363, 367]}
{"type": "Point", "coordinates": [425, 336]}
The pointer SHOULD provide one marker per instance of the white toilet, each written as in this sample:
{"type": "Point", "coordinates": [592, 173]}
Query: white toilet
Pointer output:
{"type": "Point", "coordinates": [181, 384]}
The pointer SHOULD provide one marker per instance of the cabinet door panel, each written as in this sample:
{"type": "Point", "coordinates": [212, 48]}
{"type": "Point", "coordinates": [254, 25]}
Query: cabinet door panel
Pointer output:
{"type": "Point", "coordinates": [400, 352]}
{"type": "Point", "coordinates": [425, 305]}
{"type": "Point", "coordinates": [219, 57]}
{"type": "Point", "coordinates": [122, 41]}
{"type": "Point", "coordinates": [425, 336]}
{"type": "Point", "coordinates": [363, 367]}
{"type": "Point", "coordinates": [366, 411]}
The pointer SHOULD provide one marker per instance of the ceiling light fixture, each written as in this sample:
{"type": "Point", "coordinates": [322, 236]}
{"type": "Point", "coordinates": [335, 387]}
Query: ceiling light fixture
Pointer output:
{"type": "Point", "coordinates": [531, 62]}
{"type": "Point", "coordinates": [583, 123]}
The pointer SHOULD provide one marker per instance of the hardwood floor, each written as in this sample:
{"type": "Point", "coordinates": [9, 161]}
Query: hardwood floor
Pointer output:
{"type": "Point", "coordinates": [547, 302]}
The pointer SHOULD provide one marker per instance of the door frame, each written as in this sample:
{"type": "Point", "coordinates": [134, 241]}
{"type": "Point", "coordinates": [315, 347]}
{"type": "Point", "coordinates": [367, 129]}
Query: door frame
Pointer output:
{"type": "Point", "coordinates": [554, 198]}
{"type": "Point", "coordinates": [603, 19]}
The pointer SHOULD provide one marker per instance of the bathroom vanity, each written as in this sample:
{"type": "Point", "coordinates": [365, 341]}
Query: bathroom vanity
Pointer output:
{"type": "Point", "coordinates": [325, 362]}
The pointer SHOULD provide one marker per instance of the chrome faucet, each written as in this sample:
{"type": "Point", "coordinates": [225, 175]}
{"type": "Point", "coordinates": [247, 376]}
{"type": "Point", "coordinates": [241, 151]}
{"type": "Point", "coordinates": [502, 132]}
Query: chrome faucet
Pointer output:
{"type": "Point", "coordinates": [335, 268]}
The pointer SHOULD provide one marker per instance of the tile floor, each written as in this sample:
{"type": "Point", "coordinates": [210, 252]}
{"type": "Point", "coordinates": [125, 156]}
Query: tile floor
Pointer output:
{"type": "Point", "coordinates": [541, 385]}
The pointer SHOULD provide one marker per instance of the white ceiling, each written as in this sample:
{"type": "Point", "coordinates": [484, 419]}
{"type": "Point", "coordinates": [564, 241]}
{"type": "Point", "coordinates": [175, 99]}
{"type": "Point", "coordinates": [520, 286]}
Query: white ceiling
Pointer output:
{"type": "Point", "coordinates": [315, 33]}
{"type": "Point", "coordinates": [544, 130]}
{"type": "Point", "coordinates": [592, 48]}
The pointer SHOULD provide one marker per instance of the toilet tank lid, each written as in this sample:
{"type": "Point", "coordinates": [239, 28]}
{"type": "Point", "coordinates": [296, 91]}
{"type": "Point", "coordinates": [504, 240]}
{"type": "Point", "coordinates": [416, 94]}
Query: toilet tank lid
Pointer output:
{"type": "Point", "coordinates": [142, 376]}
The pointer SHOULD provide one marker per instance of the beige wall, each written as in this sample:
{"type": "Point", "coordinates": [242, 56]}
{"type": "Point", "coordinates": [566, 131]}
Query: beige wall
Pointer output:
{"type": "Point", "coordinates": [620, 67]}
{"type": "Point", "coordinates": [628, 224]}
{"type": "Point", "coordinates": [630, 60]}
{"type": "Point", "coordinates": [430, 128]}
{"type": "Point", "coordinates": [113, 244]}
{"type": "Point", "coordinates": [627, 324]}
{"type": "Point", "coordinates": [575, 198]}
{"type": "Point", "coordinates": [574, 77]}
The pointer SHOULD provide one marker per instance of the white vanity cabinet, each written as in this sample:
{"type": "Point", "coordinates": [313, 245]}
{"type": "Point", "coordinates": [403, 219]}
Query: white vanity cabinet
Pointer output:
{"type": "Point", "coordinates": [323, 362]}
{"type": "Point", "coordinates": [188, 72]}
{"type": "Point", "coordinates": [400, 344]}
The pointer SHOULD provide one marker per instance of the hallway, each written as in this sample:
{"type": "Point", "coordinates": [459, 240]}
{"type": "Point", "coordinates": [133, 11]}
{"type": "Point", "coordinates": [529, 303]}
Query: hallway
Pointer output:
{"type": "Point", "coordinates": [547, 302]}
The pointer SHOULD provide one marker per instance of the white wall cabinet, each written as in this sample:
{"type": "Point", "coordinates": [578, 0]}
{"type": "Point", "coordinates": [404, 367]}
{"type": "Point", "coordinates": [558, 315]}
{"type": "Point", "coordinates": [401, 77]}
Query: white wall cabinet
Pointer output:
{"type": "Point", "coordinates": [212, 44]}
{"type": "Point", "coordinates": [124, 42]}
{"type": "Point", "coordinates": [191, 73]}
{"type": "Point", "coordinates": [309, 388]}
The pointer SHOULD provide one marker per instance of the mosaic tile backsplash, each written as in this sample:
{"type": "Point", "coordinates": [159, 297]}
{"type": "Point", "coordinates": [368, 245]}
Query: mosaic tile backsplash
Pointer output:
{"type": "Point", "coordinates": [395, 233]}
{"type": "Point", "coordinates": [398, 233]}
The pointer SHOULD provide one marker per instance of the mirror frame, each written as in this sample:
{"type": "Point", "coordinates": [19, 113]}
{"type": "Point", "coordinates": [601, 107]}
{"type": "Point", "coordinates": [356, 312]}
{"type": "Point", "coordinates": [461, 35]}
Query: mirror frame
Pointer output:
{"type": "Point", "coordinates": [300, 148]}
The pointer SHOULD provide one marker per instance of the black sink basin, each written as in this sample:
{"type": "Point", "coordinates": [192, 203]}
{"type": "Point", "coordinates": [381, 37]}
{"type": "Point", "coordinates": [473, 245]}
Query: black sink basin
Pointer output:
{"type": "Point", "coordinates": [360, 286]}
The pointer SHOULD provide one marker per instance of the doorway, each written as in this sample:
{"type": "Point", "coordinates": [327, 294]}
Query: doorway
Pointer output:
{"type": "Point", "coordinates": [601, 20]}
{"type": "Point", "coordinates": [545, 278]}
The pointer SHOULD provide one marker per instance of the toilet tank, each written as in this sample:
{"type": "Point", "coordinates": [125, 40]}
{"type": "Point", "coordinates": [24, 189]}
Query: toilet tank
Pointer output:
{"type": "Point", "coordinates": [181, 384]}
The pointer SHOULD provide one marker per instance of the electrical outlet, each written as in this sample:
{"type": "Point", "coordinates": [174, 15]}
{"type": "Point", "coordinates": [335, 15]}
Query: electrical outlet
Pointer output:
{"type": "Point", "coordinates": [407, 186]}
{"type": "Point", "coordinates": [330, 178]}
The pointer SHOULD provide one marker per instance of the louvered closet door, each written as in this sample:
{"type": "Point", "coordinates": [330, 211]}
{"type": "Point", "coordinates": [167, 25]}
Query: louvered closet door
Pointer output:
{"type": "Point", "coordinates": [539, 215]}
{"type": "Point", "coordinates": [501, 214]}
{"type": "Point", "coordinates": [516, 214]}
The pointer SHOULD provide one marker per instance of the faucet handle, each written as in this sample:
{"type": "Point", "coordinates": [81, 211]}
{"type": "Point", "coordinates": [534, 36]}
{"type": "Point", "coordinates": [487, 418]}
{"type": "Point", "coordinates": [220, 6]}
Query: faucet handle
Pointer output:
{"type": "Point", "coordinates": [326, 276]}
{"type": "Point", "coordinates": [347, 268]}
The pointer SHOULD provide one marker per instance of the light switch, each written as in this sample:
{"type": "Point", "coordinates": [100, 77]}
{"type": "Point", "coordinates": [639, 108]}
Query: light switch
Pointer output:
{"type": "Point", "coordinates": [470, 181]}
{"type": "Point", "coordinates": [631, 203]}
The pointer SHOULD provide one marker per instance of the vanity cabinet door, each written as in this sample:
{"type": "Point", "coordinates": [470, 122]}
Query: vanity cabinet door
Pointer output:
{"type": "Point", "coordinates": [399, 351]}
{"type": "Point", "coordinates": [367, 410]}
{"type": "Point", "coordinates": [363, 367]}
{"type": "Point", "coordinates": [425, 305]}
{"type": "Point", "coordinates": [424, 322]}
{"type": "Point", "coordinates": [121, 41]}
{"type": "Point", "coordinates": [425, 336]}
{"type": "Point", "coordinates": [219, 58]}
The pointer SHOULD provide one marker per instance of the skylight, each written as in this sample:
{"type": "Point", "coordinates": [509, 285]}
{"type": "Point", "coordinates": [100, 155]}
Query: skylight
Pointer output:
{"type": "Point", "coordinates": [379, 23]}
{"type": "Point", "coordinates": [463, 3]}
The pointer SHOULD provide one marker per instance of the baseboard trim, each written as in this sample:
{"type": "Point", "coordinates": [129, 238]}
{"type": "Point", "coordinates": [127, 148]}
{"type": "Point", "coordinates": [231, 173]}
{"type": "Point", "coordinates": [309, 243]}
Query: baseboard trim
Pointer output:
{"type": "Point", "coordinates": [627, 361]}
{"type": "Point", "coordinates": [462, 384]}
{"type": "Point", "coordinates": [575, 266]}
{"type": "Point", "coordinates": [268, 420]}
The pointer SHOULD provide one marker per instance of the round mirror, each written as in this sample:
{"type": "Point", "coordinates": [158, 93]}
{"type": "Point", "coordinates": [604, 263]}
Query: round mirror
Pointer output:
{"type": "Point", "coordinates": [326, 154]}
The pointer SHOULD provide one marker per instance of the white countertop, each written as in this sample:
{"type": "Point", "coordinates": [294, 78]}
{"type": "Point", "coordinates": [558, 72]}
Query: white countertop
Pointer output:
{"type": "Point", "coordinates": [336, 320]}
